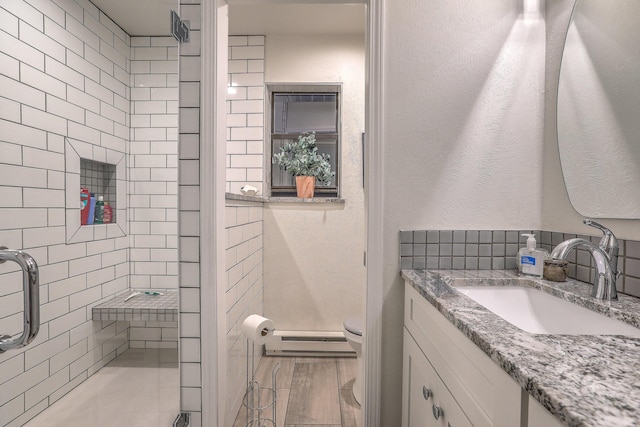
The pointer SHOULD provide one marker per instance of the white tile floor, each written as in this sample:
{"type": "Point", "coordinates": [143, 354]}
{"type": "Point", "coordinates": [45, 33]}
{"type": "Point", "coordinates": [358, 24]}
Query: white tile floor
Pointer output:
{"type": "Point", "coordinates": [139, 388]}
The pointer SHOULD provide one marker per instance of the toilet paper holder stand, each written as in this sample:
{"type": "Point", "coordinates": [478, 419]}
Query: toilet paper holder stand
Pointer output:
{"type": "Point", "coordinates": [258, 399]}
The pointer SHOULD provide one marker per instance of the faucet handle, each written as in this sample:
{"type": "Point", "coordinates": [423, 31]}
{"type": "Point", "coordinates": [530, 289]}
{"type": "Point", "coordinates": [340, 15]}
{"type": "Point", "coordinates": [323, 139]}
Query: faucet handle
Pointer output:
{"type": "Point", "coordinates": [608, 243]}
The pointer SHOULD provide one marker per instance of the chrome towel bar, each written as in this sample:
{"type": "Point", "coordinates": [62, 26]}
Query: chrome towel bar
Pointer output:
{"type": "Point", "coordinates": [31, 290]}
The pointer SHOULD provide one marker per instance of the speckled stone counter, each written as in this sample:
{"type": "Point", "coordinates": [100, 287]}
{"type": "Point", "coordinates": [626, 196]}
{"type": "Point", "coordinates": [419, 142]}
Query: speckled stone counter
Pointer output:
{"type": "Point", "coordinates": [142, 307]}
{"type": "Point", "coordinates": [584, 380]}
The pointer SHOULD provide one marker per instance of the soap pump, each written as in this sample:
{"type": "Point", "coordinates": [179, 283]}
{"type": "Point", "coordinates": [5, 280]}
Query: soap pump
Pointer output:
{"type": "Point", "coordinates": [530, 260]}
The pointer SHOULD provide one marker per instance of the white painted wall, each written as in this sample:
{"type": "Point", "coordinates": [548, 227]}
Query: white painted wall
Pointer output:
{"type": "Point", "coordinates": [313, 254]}
{"type": "Point", "coordinates": [463, 135]}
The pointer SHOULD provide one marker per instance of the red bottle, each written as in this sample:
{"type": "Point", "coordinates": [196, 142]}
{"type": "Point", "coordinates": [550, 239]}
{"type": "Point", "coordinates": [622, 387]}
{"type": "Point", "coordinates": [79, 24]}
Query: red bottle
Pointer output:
{"type": "Point", "coordinates": [107, 213]}
{"type": "Point", "coordinates": [84, 206]}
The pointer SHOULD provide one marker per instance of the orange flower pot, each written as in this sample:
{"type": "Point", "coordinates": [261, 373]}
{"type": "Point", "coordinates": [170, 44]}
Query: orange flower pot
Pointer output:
{"type": "Point", "coordinates": [305, 186]}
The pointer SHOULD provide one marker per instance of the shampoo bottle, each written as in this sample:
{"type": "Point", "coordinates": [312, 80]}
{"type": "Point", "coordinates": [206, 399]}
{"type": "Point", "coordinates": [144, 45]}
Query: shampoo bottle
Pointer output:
{"type": "Point", "coordinates": [531, 260]}
{"type": "Point", "coordinates": [107, 216]}
{"type": "Point", "coordinates": [92, 209]}
{"type": "Point", "coordinates": [99, 210]}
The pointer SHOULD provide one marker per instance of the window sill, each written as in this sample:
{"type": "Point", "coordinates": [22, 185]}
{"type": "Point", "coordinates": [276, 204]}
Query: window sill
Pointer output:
{"type": "Point", "coordinates": [318, 200]}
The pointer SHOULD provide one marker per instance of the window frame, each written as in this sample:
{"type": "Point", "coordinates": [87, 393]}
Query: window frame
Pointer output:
{"type": "Point", "coordinates": [283, 88]}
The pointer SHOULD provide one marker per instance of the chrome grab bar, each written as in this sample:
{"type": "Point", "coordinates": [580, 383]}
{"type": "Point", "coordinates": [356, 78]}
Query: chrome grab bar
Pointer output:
{"type": "Point", "coordinates": [31, 289]}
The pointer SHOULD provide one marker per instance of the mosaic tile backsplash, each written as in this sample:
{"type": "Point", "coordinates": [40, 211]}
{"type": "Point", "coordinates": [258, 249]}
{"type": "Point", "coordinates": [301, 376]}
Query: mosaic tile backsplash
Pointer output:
{"type": "Point", "coordinates": [497, 249]}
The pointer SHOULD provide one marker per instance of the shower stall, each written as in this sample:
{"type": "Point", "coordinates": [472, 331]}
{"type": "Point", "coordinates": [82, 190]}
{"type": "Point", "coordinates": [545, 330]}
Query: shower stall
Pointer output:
{"type": "Point", "coordinates": [89, 100]}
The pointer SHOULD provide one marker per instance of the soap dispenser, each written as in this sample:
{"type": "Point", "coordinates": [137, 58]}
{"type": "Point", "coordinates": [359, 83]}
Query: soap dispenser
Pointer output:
{"type": "Point", "coordinates": [531, 260]}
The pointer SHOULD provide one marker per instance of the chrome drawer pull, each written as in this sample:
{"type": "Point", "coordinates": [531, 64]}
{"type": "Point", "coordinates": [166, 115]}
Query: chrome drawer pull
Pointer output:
{"type": "Point", "coordinates": [426, 392]}
{"type": "Point", "coordinates": [437, 411]}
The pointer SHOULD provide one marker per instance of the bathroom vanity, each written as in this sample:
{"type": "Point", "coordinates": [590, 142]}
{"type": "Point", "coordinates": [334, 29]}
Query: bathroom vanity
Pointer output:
{"type": "Point", "coordinates": [465, 365]}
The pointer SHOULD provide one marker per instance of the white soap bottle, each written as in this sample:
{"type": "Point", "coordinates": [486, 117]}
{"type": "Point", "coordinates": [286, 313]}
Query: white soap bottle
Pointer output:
{"type": "Point", "coordinates": [531, 260]}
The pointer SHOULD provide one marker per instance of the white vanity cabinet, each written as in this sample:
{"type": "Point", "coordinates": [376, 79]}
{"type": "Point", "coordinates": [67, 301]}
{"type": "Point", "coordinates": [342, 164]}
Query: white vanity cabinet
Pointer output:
{"type": "Point", "coordinates": [442, 367]}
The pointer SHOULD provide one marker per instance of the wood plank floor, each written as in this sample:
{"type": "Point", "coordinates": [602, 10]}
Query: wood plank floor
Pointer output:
{"type": "Point", "coordinates": [310, 392]}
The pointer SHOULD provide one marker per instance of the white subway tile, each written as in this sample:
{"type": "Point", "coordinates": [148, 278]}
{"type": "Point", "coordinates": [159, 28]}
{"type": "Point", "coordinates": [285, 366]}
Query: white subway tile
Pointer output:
{"type": "Point", "coordinates": [99, 122]}
{"type": "Point", "coordinates": [92, 23]}
{"type": "Point", "coordinates": [248, 79]}
{"type": "Point", "coordinates": [164, 174]}
{"type": "Point", "coordinates": [84, 298]}
{"type": "Point", "coordinates": [149, 241]}
{"type": "Point", "coordinates": [25, 12]}
{"type": "Point", "coordinates": [22, 93]}
{"type": "Point", "coordinates": [112, 54]}
{"type": "Point", "coordinates": [164, 228]}
{"type": "Point", "coordinates": [150, 107]}
{"type": "Point", "coordinates": [100, 246]}
{"type": "Point", "coordinates": [164, 67]}
{"type": "Point", "coordinates": [189, 119]}
{"type": "Point", "coordinates": [247, 133]}
{"type": "Point", "coordinates": [86, 68]}
{"type": "Point", "coordinates": [33, 157]}
{"type": "Point", "coordinates": [85, 362]}
{"type": "Point", "coordinates": [98, 91]}
{"type": "Point", "coordinates": [43, 120]}
{"type": "Point", "coordinates": [84, 265]}
{"type": "Point", "coordinates": [10, 197]}
{"type": "Point", "coordinates": [113, 113]}
{"type": "Point", "coordinates": [189, 68]}
{"type": "Point", "coordinates": [23, 135]}
{"type": "Point", "coordinates": [100, 276]}
{"type": "Point", "coordinates": [9, 66]}
{"type": "Point", "coordinates": [247, 52]}
{"type": "Point", "coordinates": [189, 172]}
{"type": "Point", "coordinates": [237, 66]}
{"type": "Point", "coordinates": [10, 153]}
{"type": "Point", "coordinates": [35, 355]}
{"type": "Point", "coordinates": [83, 99]}
{"type": "Point", "coordinates": [56, 31]}
{"type": "Point", "coordinates": [247, 161]}
{"type": "Point", "coordinates": [66, 322]}
{"type": "Point", "coordinates": [250, 106]}
{"type": "Point", "coordinates": [83, 133]}
{"type": "Point", "coordinates": [8, 23]}
{"type": "Point", "coordinates": [64, 109]}
{"type": "Point", "coordinates": [21, 51]}
{"type": "Point", "coordinates": [43, 198]}
{"type": "Point", "coordinates": [42, 42]}
{"type": "Point", "coordinates": [168, 147]}
{"type": "Point", "coordinates": [23, 177]}
{"type": "Point", "coordinates": [163, 93]}
{"type": "Point", "coordinates": [189, 249]}
{"type": "Point", "coordinates": [113, 84]}
{"type": "Point", "coordinates": [68, 356]}
{"type": "Point", "coordinates": [150, 134]}
{"type": "Point", "coordinates": [255, 93]}
{"type": "Point", "coordinates": [140, 67]}
{"type": "Point", "coordinates": [9, 110]}
{"type": "Point", "coordinates": [114, 143]}
{"type": "Point", "coordinates": [149, 80]}
{"type": "Point", "coordinates": [24, 382]}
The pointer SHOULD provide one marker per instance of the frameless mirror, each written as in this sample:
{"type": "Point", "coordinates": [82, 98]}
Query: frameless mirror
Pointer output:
{"type": "Point", "coordinates": [599, 109]}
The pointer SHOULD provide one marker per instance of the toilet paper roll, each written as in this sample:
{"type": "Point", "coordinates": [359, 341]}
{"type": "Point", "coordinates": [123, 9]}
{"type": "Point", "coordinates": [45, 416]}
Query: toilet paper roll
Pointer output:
{"type": "Point", "coordinates": [257, 328]}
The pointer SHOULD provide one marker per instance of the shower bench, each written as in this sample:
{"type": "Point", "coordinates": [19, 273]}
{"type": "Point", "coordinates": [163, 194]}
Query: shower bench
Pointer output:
{"type": "Point", "coordinates": [143, 307]}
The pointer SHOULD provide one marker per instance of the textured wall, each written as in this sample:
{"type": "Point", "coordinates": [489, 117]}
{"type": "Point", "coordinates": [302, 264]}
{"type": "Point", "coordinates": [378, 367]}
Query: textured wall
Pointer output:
{"type": "Point", "coordinates": [314, 275]}
{"type": "Point", "coordinates": [463, 121]}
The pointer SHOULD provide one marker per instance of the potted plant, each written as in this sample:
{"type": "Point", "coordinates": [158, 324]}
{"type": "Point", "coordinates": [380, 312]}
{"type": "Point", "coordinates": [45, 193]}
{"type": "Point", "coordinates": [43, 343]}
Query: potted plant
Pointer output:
{"type": "Point", "coordinates": [301, 159]}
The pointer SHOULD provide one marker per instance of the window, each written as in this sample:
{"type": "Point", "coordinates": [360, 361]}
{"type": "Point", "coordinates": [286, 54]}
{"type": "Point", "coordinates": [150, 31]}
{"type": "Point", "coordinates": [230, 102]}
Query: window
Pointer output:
{"type": "Point", "coordinates": [296, 112]}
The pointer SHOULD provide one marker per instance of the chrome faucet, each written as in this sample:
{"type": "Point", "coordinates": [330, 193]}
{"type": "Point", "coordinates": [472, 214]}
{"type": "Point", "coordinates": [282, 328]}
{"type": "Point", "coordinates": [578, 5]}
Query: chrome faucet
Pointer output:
{"type": "Point", "coordinates": [605, 255]}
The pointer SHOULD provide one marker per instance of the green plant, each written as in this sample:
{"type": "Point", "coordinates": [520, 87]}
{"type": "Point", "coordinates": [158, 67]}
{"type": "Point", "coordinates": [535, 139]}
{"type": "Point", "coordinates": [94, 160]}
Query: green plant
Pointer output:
{"type": "Point", "coordinates": [301, 157]}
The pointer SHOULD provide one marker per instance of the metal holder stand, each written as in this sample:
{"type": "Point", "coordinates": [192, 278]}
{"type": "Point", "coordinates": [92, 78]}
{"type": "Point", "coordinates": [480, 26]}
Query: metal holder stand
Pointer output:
{"type": "Point", "coordinates": [257, 398]}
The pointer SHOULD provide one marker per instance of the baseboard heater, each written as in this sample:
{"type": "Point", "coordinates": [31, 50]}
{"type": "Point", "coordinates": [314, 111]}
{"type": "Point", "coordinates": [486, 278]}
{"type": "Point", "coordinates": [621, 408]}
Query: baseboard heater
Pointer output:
{"type": "Point", "coordinates": [308, 343]}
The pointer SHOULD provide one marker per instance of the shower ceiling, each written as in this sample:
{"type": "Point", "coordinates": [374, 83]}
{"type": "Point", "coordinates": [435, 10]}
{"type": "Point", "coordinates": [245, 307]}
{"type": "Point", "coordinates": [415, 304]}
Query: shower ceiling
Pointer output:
{"type": "Point", "coordinates": [140, 17]}
{"type": "Point", "coordinates": [151, 17]}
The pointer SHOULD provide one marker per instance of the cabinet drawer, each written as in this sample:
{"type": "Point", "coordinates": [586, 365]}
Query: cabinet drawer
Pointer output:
{"type": "Point", "coordinates": [487, 395]}
{"type": "Point", "coordinates": [427, 401]}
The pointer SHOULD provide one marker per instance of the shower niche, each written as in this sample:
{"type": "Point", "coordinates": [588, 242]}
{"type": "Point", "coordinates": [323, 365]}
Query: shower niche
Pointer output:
{"type": "Point", "coordinates": [102, 171]}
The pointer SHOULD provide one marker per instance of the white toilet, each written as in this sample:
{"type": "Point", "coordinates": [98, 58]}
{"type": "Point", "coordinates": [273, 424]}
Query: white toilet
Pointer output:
{"type": "Point", "coordinates": [353, 333]}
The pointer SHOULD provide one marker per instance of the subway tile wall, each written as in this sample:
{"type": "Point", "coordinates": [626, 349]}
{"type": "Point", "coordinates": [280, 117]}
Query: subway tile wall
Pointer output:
{"type": "Point", "coordinates": [153, 163]}
{"type": "Point", "coordinates": [64, 73]}
{"type": "Point", "coordinates": [244, 255]}
{"type": "Point", "coordinates": [245, 113]}
{"type": "Point", "coordinates": [497, 249]}
{"type": "Point", "coordinates": [189, 206]}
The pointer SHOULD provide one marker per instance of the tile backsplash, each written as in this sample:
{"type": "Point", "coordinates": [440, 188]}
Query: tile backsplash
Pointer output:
{"type": "Point", "coordinates": [497, 249]}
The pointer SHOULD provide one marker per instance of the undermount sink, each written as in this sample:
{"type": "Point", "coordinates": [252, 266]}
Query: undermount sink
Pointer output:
{"type": "Point", "coordinates": [537, 312]}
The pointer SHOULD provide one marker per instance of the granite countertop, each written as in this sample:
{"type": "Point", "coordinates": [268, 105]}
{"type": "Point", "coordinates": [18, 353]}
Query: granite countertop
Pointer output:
{"type": "Point", "coordinates": [584, 380]}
